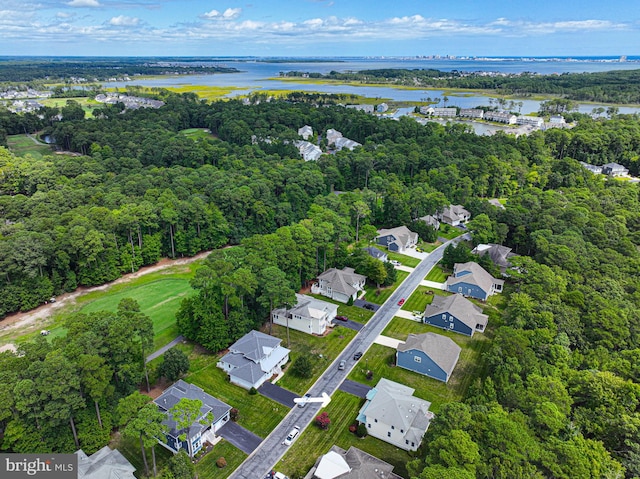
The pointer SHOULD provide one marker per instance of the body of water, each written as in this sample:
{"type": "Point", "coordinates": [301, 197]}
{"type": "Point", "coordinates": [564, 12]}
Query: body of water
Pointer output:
{"type": "Point", "coordinates": [254, 76]}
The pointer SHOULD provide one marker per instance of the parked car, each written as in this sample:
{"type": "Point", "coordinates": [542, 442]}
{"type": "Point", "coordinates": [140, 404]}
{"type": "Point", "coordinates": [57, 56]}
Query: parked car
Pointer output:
{"type": "Point", "coordinates": [342, 318]}
{"type": "Point", "coordinates": [342, 364]}
{"type": "Point", "coordinates": [395, 263]}
{"type": "Point", "coordinates": [292, 435]}
{"type": "Point", "coordinates": [358, 355]}
{"type": "Point", "coordinates": [401, 302]}
{"type": "Point", "coordinates": [303, 404]}
{"type": "Point", "coordinates": [370, 307]}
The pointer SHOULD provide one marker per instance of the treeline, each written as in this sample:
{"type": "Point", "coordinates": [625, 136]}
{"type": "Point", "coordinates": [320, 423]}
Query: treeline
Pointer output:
{"type": "Point", "coordinates": [619, 86]}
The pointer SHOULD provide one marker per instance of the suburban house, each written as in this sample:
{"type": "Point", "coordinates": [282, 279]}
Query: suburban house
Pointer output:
{"type": "Point", "coordinates": [455, 313]}
{"type": "Point", "coordinates": [530, 121]}
{"type": "Point", "coordinates": [335, 139]}
{"type": "Point", "coordinates": [104, 464]}
{"type": "Point", "coordinates": [472, 113]}
{"type": "Point", "coordinates": [339, 284]}
{"type": "Point", "coordinates": [377, 253]}
{"type": "Point", "coordinates": [213, 415]}
{"type": "Point", "coordinates": [308, 151]}
{"type": "Point", "coordinates": [614, 169]}
{"type": "Point", "coordinates": [351, 464]}
{"type": "Point", "coordinates": [397, 239]}
{"type": "Point", "coordinates": [305, 132]}
{"type": "Point", "coordinates": [393, 414]}
{"type": "Point", "coordinates": [430, 354]}
{"type": "Point", "coordinates": [453, 215]}
{"type": "Point", "coordinates": [499, 254]}
{"type": "Point", "coordinates": [254, 359]}
{"type": "Point", "coordinates": [431, 221]}
{"type": "Point", "coordinates": [471, 279]}
{"type": "Point", "coordinates": [496, 202]}
{"type": "Point", "coordinates": [309, 315]}
{"type": "Point", "coordinates": [595, 169]}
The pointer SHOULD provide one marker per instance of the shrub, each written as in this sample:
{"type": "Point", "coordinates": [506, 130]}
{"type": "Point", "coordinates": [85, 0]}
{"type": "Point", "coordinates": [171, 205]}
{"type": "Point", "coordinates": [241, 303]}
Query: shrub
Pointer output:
{"type": "Point", "coordinates": [234, 413]}
{"type": "Point", "coordinates": [361, 431]}
{"type": "Point", "coordinates": [253, 391]}
{"type": "Point", "coordinates": [323, 421]}
{"type": "Point", "coordinates": [353, 428]}
{"type": "Point", "coordinates": [302, 367]}
{"type": "Point", "coordinates": [221, 462]}
{"type": "Point", "coordinates": [369, 375]}
{"type": "Point", "coordinates": [350, 302]}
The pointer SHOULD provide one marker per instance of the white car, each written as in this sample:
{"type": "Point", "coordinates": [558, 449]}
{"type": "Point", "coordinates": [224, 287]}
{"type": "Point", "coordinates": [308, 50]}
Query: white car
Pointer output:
{"type": "Point", "coordinates": [292, 435]}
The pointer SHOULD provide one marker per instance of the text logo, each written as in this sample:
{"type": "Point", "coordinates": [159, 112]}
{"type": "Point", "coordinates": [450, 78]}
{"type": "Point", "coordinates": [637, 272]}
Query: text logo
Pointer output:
{"type": "Point", "coordinates": [38, 466]}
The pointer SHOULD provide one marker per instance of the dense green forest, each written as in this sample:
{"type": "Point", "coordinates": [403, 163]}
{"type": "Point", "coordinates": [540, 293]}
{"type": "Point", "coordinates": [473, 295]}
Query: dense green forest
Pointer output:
{"type": "Point", "coordinates": [561, 393]}
{"type": "Point", "coordinates": [621, 86]}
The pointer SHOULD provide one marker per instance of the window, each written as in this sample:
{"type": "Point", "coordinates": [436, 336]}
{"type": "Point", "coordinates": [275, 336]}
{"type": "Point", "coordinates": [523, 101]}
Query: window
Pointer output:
{"type": "Point", "coordinates": [417, 359]}
{"type": "Point", "coordinates": [393, 427]}
{"type": "Point", "coordinates": [375, 420]}
{"type": "Point", "coordinates": [444, 315]}
{"type": "Point", "coordinates": [389, 434]}
{"type": "Point", "coordinates": [369, 425]}
{"type": "Point", "coordinates": [406, 441]}
{"type": "Point", "coordinates": [413, 444]}
{"type": "Point", "coordinates": [459, 289]}
{"type": "Point", "coordinates": [401, 431]}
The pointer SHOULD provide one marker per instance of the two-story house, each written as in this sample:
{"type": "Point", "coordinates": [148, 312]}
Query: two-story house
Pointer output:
{"type": "Point", "coordinates": [397, 239]}
{"type": "Point", "coordinates": [453, 215]}
{"type": "Point", "coordinates": [430, 354]}
{"type": "Point", "coordinates": [455, 313]}
{"type": "Point", "coordinates": [213, 415]}
{"type": "Point", "coordinates": [339, 284]}
{"type": "Point", "coordinates": [471, 279]}
{"type": "Point", "coordinates": [254, 359]}
{"type": "Point", "coordinates": [309, 315]}
{"type": "Point", "coordinates": [394, 415]}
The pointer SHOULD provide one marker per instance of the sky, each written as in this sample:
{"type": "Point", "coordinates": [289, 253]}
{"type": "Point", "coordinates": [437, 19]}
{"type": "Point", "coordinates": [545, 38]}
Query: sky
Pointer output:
{"type": "Point", "coordinates": [320, 28]}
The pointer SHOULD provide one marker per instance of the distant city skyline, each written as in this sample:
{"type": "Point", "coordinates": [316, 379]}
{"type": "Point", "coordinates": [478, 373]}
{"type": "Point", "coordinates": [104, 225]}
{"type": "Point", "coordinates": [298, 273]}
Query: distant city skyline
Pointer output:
{"type": "Point", "coordinates": [321, 28]}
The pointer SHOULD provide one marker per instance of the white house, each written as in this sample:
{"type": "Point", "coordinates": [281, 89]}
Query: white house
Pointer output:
{"type": "Point", "coordinates": [308, 151]}
{"type": "Point", "coordinates": [305, 132]}
{"type": "Point", "coordinates": [309, 315]}
{"type": "Point", "coordinates": [530, 121]}
{"type": "Point", "coordinates": [394, 415]}
{"type": "Point", "coordinates": [351, 464]}
{"type": "Point", "coordinates": [254, 359]}
{"type": "Point", "coordinates": [339, 284]}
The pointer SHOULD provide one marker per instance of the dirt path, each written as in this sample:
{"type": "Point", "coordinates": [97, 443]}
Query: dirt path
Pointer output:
{"type": "Point", "coordinates": [21, 320]}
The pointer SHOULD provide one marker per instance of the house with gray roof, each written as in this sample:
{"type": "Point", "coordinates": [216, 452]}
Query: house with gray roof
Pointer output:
{"type": "Point", "coordinates": [351, 464]}
{"type": "Point", "coordinates": [431, 221]}
{"type": "Point", "coordinates": [430, 354]}
{"type": "Point", "coordinates": [309, 315]}
{"type": "Point", "coordinates": [305, 132]}
{"type": "Point", "coordinates": [471, 279]}
{"type": "Point", "coordinates": [614, 169]}
{"type": "Point", "coordinates": [499, 254]}
{"type": "Point", "coordinates": [397, 239]}
{"type": "Point", "coordinates": [308, 151]}
{"type": "Point", "coordinates": [104, 464]}
{"type": "Point", "coordinates": [254, 359]}
{"type": "Point", "coordinates": [377, 253]}
{"type": "Point", "coordinates": [393, 414]}
{"type": "Point", "coordinates": [455, 313]}
{"type": "Point", "coordinates": [453, 215]}
{"type": "Point", "coordinates": [213, 415]}
{"type": "Point", "coordinates": [339, 284]}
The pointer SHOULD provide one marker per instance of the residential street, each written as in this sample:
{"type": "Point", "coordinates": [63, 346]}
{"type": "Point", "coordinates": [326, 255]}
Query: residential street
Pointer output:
{"type": "Point", "coordinates": [272, 448]}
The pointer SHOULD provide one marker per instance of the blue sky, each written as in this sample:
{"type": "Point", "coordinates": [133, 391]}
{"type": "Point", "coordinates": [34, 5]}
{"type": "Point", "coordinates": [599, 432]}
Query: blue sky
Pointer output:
{"type": "Point", "coordinates": [320, 27]}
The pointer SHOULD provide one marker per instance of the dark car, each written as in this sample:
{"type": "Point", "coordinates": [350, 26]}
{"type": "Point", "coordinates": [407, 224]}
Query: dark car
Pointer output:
{"type": "Point", "coordinates": [358, 355]}
{"type": "Point", "coordinates": [342, 318]}
{"type": "Point", "coordinates": [370, 307]}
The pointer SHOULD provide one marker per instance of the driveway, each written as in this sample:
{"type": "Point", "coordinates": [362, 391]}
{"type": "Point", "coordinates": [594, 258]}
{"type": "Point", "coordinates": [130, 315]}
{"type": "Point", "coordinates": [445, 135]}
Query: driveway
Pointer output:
{"type": "Point", "coordinates": [433, 284]}
{"type": "Point", "coordinates": [350, 324]}
{"type": "Point", "coordinates": [387, 341]}
{"type": "Point", "coordinates": [278, 394]}
{"type": "Point", "coordinates": [164, 349]}
{"type": "Point", "coordinates": [240, 437]}
{"type": "Point", "coordinates": [361, 304]}
{"type": "Point", "coordinates": [357, 389]}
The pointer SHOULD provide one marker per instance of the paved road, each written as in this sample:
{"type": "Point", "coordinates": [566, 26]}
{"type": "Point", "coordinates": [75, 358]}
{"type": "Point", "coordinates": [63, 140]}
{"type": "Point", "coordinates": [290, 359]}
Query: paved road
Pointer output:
{"type": "Point", "coordinates": [355, 388]}
{"type": "Point", "coordinates": [272, 448]}
{"type": "Point", "coordinates": [240, 437]}
{"type": "Point", "coordinates": [164, 349]}
{"type": "Point", "coordinates": [278, 394]}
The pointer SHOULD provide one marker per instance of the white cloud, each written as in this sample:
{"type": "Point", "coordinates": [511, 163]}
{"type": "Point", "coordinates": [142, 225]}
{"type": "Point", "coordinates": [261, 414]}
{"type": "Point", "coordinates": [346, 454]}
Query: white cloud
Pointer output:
{"type": "Point", "coordinates": [84, 3]}
{"type": "Point", "coordinates": [124, 21]}
{"type": "Point", "coordinates": [228, 14]}
{"type": "Point", "coordinates": [63, 15]}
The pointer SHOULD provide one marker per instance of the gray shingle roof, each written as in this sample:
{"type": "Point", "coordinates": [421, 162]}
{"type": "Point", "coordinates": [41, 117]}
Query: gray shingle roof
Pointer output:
{"type": "Point", "coordinates": [104, 464]}
{"type": "Point", "coordinates": [499, 254]}
{"type": "Point", "coordinates": [375, 252]}
{"type": "Point", "coordinates": [403, 235]}
{"type": "Point", "coordinates": [458, 306]}
{"type": "Point", "coordinates": [441, 349]}
{"type": "Point", "coordinates": [182, 389]}
{"type": "Point", "coordinates": [362, 465]}
{"type": "Point", "coordinates": [341, 280]}
{"type": "Point", "coordinates": [255, 345]}
{"type": "Point", "coordinates": [478, 276]}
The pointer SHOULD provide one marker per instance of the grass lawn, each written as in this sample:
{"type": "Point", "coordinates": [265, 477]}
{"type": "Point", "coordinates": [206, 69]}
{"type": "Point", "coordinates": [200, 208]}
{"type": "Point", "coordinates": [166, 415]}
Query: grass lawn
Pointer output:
{"type": "Point", "coordinates": [159, 300]}
{"type": "Point", "coordinates": [428, 247]}
{"type": "Point", "coordinates": [437, 274]}
{"type": "Point", "coordinates": [257, 413]}
{"type": "Point", "coordinates": [315, 442]}
{"type": "Point", "coordinates": [329, 346]}
{"type": "Point", "coordinates": [22, 145]}
{"type": "Point", "coordinates": [207, 92]}
{"type": "Point", "coordinates": [449, 232]}
{"type": "Point", "coordinates": [403, 259]}
{"type": "Point", "coordinates": [420, 298]}
{"type": "Point", "coordinates": [207, 467]}
{"type": "Point", "coordinates": [196, 133]}
{"type": "Point", "coordinates": [380, 360]}
{"type": "Point", "coordinates": [372, 292]}
{"type": "Point", "coordinates": [354, 313]}
{"type": "Point", "coordinates": [87, 104]}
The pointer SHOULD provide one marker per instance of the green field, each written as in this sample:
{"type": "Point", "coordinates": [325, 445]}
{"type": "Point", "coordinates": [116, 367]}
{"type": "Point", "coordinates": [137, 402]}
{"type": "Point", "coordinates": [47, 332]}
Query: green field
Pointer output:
{"type": "Point", "coordinates": [87, 104]}
{"type": "Point", "coordinates": [437, 274]}
{"type": "Point", "coordinates": [314, 442]}
{"type": "Point", "coordinates": [207, 92]}
{"type": "Point", "coordinates": [379, 296]}
{"type": "Point", "coordinates": [449, 232]}
{"type": "Point", "coordinates": [159, 300]}
{"type": "Point", "coordinates": [207, 468]}
{"type": "Point", "coordinates": [420, 298]}
{"type": "Point", "coordinates": [428, 247]}
{"type": "Point", "coordinates": [354, 313]}
{"type": "Point", "coordinates": [196, 133]}
{"type": "Point", "coordinates": [22, 145]}
{"type": "Point", "coordinates": [403, 259]}
{"type": "Point", "coordinates": [328, 346]}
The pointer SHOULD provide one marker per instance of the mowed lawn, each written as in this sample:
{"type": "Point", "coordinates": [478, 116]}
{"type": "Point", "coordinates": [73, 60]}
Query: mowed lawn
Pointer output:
{"type": "Point", "coordinates": [257, 413]}
{"type": "Point", "coordinates": [437, 274]}
{"type": "Point", "coordinates": [379, 296]}
{"type": "Point", "coordinates": [314, 442]}
{"type": "Point", "coordinates": [207, 467]}
{"type": "Point", "coordinates": [354, 313]}
{"type": "Point", "coordinates": [381, 360]}
{"type": "Point", "coordinates": [159, 299]}
{"type": "Point", "coordinates": [323, 350]}
{"type": "Point", "coordinates": [22, 145]}
{"type": "Point", "coordinates": [421, 297]}
{"type": "Point", "coordinates": [403, 259]}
